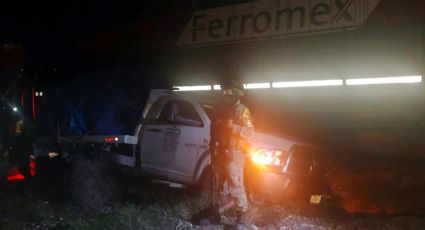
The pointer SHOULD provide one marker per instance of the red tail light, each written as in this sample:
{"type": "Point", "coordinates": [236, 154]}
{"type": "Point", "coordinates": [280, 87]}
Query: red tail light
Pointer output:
{"type": "Point", "coordinates": [111, 139]}
{"type": "Point", "coordinates": [15, 175]}
{"type": "Point", "coordinates": [32, 167]}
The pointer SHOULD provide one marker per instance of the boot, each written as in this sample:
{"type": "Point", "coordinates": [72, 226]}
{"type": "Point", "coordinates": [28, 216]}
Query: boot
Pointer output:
{"type": "Point", "coordinates": [208, 216]}
{"type": "Point", "coordinates": [241, 221]}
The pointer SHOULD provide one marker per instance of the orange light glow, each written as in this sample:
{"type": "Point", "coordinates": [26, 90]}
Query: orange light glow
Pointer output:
{"type": "Point", "coordinates": [266, 157]}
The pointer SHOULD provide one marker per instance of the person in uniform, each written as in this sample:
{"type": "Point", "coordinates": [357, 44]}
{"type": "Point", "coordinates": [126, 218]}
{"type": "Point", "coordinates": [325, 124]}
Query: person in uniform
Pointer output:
{"type": "Point", "coordinates": [231, 127]}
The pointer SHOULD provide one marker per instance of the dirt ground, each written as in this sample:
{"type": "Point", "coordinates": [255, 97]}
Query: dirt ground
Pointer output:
{"type": "Point", "coordinates": [93, 198]}
{"type": "Point", "coordinates": [157, 207]}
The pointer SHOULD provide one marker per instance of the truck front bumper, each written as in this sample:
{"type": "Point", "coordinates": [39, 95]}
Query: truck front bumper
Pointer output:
{"type": "Point", "coordinates": [268, 184]}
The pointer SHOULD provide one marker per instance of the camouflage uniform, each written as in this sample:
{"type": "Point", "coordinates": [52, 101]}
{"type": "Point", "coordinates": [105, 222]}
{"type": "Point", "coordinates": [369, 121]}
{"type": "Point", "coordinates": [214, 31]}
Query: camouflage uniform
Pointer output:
{"type": "Point", "coordinates": [235, 127]}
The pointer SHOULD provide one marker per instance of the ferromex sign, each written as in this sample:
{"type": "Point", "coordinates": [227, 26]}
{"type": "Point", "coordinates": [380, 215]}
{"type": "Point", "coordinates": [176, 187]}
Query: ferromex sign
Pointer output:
{"type": "Point", "coordinates": [266, 19]}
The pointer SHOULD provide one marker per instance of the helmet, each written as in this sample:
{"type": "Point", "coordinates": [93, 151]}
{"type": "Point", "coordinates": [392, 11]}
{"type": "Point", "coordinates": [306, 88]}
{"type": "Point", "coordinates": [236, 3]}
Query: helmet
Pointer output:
{"type": "Point", "coordinates": [234, 84]}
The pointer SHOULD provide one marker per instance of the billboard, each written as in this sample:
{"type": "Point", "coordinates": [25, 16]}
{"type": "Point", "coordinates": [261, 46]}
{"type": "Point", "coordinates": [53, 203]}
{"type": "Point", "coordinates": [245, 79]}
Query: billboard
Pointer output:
{"type": "Point", "coordinates": [269, 19]}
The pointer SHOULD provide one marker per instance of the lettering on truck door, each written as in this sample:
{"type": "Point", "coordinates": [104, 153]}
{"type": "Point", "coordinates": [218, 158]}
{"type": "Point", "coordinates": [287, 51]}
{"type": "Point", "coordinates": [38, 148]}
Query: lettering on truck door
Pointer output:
{"type": "Point", "coordinates": [181, 132]}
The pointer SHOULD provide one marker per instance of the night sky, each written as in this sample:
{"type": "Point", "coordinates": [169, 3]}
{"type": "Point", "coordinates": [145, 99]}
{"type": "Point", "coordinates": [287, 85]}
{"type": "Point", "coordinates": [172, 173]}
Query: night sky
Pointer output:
{"type": "Point", "coordinates": [89, 49]}
{"type": "Point", "coordinates": [72, 35]}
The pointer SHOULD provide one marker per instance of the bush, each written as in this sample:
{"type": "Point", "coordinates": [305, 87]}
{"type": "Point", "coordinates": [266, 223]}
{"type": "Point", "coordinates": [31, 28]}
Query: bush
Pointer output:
{"type": "Point", "coordinates": [93, 182]}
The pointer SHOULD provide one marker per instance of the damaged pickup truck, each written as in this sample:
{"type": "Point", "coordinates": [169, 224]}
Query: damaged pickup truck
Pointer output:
{"type": "Point", "coordinates": [171, 145]}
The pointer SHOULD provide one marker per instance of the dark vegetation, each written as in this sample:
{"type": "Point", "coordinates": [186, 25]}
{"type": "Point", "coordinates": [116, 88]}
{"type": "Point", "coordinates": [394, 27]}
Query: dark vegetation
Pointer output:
{"type": "Point", "coordinates": [91, 193]}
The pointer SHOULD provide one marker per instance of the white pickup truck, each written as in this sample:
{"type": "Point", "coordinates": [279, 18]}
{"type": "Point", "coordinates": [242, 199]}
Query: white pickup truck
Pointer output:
{"type": "Point", "coordinates": [171, 144]}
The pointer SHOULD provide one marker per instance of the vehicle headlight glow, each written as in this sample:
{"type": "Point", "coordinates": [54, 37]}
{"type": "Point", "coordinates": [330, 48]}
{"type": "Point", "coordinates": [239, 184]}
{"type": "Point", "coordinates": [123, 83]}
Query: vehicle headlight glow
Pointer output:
{"type": "Point", "coordinates": [263, 156]}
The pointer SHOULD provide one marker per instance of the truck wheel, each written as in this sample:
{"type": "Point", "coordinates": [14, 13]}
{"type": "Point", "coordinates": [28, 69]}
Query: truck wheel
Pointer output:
{"type": "Point", "coordinates": [251, 187]}
{"type": "Point", "coordinates": [258, 199]}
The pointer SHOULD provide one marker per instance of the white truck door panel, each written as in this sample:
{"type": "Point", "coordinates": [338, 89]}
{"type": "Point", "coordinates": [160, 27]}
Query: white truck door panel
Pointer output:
{"type": "Point", "coordinates": [150, 146]}
{"type": "Point", "coordinates": [173, 139]}
{"type": "Point", "coordinates": [181, 149]}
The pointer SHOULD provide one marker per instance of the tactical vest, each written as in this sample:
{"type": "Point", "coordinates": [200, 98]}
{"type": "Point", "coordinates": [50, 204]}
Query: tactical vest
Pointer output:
{"type": "Point", "coordinates": [226, 136]}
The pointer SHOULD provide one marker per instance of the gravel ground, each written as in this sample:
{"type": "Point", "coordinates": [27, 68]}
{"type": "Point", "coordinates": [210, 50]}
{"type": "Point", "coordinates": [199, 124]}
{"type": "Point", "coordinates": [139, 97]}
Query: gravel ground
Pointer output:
{"type": "Point", "coordinates": [92, 202]}
{"type": "Point", "coordinates": [172, 210]}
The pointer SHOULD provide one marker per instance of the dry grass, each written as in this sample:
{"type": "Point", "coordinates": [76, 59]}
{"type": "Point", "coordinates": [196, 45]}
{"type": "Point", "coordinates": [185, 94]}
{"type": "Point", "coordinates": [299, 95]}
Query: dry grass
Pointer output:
{"type": "Point", "coordinates": [379, 189]}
